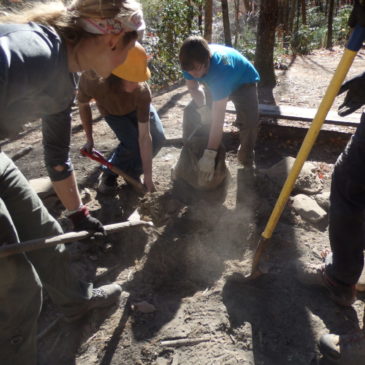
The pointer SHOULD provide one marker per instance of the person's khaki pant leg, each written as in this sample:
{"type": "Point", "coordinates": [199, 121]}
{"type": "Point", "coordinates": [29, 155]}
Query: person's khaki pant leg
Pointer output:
{"type": "Point", "coordinates": [247, 107]}
{"type": "Point", "coordinates": [20, 293]}
{"type": "Point", "coordinates": [31, 220]}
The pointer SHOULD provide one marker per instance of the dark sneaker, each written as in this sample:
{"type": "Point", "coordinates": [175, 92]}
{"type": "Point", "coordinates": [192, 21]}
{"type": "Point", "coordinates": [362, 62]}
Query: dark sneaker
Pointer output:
{"type": "Point", "coordinates": [101, 297]}
{"type": "Point", "coordinates": [349, 349]}
{"type": "Point", "coordinates": [107, 183]}
{"type": "Point", "coordinates": [315, 275]}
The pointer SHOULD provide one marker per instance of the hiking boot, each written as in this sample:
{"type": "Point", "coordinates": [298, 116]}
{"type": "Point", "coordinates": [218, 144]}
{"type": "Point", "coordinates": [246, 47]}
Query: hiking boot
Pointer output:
{"type": "Point", "coordinates": [315, 275]}
{"type": "Point", "coordinates": [101, 297]}
{"type": "Point", "coordinates": [360, 285]}
{"type": "Point", "coordinates": [107, 183]}
{"type": "Point", "coordinates": [349, 349]}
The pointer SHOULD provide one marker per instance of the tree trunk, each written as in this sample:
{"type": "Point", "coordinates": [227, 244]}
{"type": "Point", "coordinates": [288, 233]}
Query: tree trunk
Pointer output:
{"type": "Point", "coordinates": [237, 22]}
{"type": "Point", "coordinates": [293, 6]}
{"type": "Point", "coordinates": [329, 24]}
{"type": "Point", "coordinates": [247, 5]}
{"type": "Point", "coordinates": [226, 25]}
{"type": "Point", "coordinates": [304, 12]}
{"type": "Point", "coordinates": [208, 20]}
{"type": "Point", "coordinates": [200, 17]}
{"type": "Point", "coordinates": [264, 56]}
{"type": "Point", "coordinates": [189, 18]}
{"type": "Point", "coordinates": [283, 21]}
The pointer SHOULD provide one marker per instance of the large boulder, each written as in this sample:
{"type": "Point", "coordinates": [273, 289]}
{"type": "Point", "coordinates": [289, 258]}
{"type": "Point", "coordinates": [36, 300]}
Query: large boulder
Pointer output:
{"type": "Point", "coordinates": [308, 181]}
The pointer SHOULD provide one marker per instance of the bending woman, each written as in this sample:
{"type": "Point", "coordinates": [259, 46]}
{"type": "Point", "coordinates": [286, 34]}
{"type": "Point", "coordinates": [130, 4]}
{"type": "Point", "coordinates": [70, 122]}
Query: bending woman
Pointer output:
{"type": "Point", "coordinates": [124, 100]}
{"type": "Point", "coordinates": [40, 49]}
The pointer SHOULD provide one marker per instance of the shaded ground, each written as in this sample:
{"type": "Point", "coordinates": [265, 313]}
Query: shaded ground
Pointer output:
{"type": "Point", "coordinates": [184, 266]}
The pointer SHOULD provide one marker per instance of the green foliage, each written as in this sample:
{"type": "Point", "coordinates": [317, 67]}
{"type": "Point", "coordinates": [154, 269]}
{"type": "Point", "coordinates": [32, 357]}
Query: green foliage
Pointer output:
{"type": "Point", "coordinates": [314, 35]}
{"type": "Point", "coordinates": [340, 27]}
{"type": "Point", "coordinates": [302, 40]}
{"type": "Point", "coordinates": [247, 42]}
{"type": "Point", "coordinates": [176, 21]}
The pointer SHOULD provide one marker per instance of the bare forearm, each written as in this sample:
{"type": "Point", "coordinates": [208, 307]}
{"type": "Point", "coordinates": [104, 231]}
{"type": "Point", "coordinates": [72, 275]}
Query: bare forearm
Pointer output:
{"type": "Point", "coordinates": [215, 137]}
{"type": "Point", "coordinates": [86, 120]}
{"type": "Point", "coordinates": [145, 147]}
{"type": "Point", "coordinates": [216, 129]}
{"type": "Point", "coordinates": [68, 192]}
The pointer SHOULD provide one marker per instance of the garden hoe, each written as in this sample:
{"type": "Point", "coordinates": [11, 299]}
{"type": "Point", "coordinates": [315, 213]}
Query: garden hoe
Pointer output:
{"type": "Point", "coordinates": [352, 47]}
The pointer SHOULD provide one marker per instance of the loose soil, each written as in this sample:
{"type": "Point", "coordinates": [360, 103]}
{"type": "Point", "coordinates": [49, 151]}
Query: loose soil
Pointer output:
{"type": "Point", "coordinates": [180, 276]}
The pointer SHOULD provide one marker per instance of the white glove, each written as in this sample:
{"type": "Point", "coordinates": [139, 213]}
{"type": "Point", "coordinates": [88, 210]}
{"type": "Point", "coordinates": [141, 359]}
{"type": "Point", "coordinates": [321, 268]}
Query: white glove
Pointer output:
{"type": "Point", "coordinates": [205, 114]}
{"type": "Point", "coordinates": [206, 166]}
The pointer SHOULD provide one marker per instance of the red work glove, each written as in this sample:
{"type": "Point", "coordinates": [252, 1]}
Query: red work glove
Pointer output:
{"type": "Point", "coordinates": [83, 221]}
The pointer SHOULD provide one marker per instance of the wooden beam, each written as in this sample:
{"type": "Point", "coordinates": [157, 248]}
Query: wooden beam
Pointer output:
{"type": "Point", "coordinates": [302, 114]}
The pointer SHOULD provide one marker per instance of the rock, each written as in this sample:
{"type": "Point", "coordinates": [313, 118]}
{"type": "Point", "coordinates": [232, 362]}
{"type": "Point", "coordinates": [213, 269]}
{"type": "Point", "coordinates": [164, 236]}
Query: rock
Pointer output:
{"type": "Point", "coordinates": [144, 307]}
{"type": "Point", "coordinates": [308, 208]}
{"type": "Point", "coordinates": [307, 182]}
{"type": "Point", "coordinates": [162, 361]}
{"type": "Point", "coordinates": [323, 200]}
{"type": "Point", "coordinates": [85, 196]}
{"type": "Point", "coordinates": [42, 186]}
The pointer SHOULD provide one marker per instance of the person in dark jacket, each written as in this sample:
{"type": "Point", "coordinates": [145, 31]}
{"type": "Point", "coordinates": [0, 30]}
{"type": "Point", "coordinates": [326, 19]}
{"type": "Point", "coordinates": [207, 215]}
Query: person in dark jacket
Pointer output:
{"type": "Point", "coordinates": [40, 49]}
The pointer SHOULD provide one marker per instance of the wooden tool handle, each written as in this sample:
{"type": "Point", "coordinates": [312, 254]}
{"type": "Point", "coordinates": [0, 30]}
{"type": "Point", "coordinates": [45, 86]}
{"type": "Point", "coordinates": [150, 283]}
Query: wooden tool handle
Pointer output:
{"type": "Point", "coordinates": [137, 185]}
{"type": "Point", "coordinates": [44, 242]}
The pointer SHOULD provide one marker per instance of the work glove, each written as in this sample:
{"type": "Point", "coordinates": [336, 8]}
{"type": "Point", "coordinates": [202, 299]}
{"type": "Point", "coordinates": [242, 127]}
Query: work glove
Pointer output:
{"type": "Point", "coordinates": [83, 221]}
{"type": "Point", "coordinates": [206, 166]}
{"type": "Point", "coordinates": [357, 16]}
{"type": "Point", "coordinates": [355, 96]}
{"type": "Point", "coordinates": [205, 114]}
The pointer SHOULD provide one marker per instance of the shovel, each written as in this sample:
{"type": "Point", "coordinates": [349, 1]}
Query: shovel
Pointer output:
{"type": "Point", "coordinates": [97, 156]}
{"type": "Point", "coordinates": [352, 47]}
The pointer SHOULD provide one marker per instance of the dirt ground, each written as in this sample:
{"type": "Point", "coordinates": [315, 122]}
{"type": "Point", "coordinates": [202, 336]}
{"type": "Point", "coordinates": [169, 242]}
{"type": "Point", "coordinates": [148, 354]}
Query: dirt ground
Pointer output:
{"type": "Point", "coordinates": [179, 276]}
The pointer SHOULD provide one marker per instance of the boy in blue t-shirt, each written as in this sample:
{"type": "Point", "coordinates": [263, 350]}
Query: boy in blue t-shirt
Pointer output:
{"type": "Point", "coordinates": [227, 75]}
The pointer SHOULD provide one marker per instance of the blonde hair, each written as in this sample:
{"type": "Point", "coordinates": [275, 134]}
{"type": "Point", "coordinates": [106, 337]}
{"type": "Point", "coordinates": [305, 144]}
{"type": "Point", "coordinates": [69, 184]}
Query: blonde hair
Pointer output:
{"type": "Point", "coordinates": [64, 18]}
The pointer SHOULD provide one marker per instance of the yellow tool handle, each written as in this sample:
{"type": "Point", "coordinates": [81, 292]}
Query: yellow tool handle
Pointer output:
{"type": "Point", "coordinates": [327, 101]}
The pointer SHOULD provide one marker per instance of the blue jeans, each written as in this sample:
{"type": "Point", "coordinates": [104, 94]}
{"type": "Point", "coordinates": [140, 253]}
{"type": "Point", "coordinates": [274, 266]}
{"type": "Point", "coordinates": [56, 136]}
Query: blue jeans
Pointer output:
{"type": "Point", "coordinates": [127, 155]}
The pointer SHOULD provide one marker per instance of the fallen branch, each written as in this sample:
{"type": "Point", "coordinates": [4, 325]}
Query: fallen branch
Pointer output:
{"type": "Point", "coordinates": [40, 243]}
{"type": "Point", "coordinates": [185, 341]}
{"type": "Point", "coordinates": [24, 151]}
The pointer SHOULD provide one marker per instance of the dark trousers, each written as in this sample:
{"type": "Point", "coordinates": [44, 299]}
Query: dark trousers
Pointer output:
{"type": "Point", "coordinates": [347, 207]}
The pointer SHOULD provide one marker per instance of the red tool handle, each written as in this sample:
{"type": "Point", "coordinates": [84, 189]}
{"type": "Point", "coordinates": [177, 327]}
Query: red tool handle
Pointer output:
{"type": "Point", "coordinates": [97, 156]}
